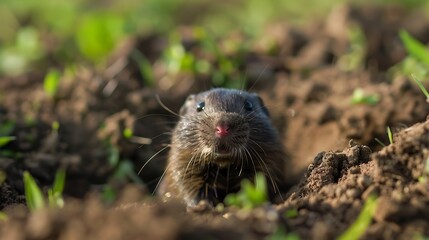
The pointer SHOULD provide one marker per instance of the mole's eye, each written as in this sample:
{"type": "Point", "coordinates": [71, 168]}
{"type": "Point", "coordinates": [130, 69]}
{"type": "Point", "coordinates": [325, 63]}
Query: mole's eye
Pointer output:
{"type": "Point", "coordinates": [248, 105]}
{"type": "Point", "coordinates": [200, 106]}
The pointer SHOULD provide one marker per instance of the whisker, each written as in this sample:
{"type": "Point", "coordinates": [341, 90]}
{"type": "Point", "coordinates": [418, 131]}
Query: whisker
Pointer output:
{"type": "Point", "coordinates": [165, 107]}
{"type": "Point", "coordinates": [162, 134]}
{"type": "Point", "coordinates": [144, 165]}
{"type": "Point", "coordinates": [244, 81]}
{"type": "Point", "coordinates": [242, 163]}
{"type": "Point", "coordinates": [274, 184]}
{"type": "Point", "coordinates": [215, 181]}
{"type": "Point", "coordinates": [257, 144]}
{"type": "Point", "coordinates": [160, 180]}
{"type": "Point", "coordinates": [154, 114]}
{"type": "Point", "coordinates": [257, 79]}
{"type": "Point", "coordinates": [251, 159]}
{"type": "Point", "coordinates": [192, 161]}
{"type": "Point", "coordinates": [227, 178]}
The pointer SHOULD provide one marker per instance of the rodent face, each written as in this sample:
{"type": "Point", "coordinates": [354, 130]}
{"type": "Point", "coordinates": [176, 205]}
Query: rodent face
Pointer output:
{"type": "Point", "coordinates": [223, 126]}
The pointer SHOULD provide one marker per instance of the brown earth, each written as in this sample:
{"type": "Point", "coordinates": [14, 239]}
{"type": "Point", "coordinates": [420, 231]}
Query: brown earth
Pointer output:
{"type": "Point", "coordinates": [309, 97]}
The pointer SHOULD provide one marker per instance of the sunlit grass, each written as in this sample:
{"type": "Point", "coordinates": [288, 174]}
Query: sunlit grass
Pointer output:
{"type": "Point", "coordinates": [415, 48]}
{"type": "Point", "coordinates": [422, 88]}
{"type": "Point", "coordinates": [389, 135]}
{"type": "Point", "coordinates": [250, 195]}
{"type": "Point", "coordinates": [358, 228]}
{"type": "Point", "coordinates": [83, 29]}
{"type": "Point", "coordinates": [281, 234]}
{"type": "Point", "coordinates": [52, 82]}
{"type": "Point", "coordinates": [416, 63]}
{"type": "Point", "coordinates": [34, 195]}
{"type": "Point", "coordinates": [3, 216]}
{"type": "Point", "coordinates": [360, 97]}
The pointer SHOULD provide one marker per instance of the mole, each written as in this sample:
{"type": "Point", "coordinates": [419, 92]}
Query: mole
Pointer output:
{"type": "Point", "coordinates": [223, 136]}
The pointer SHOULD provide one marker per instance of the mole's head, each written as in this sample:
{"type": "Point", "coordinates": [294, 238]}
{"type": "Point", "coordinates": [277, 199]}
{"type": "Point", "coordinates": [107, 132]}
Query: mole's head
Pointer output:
{"type": "Point", "coordinates": [223, 126]}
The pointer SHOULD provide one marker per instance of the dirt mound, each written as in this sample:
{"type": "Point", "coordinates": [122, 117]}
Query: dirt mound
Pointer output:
{"type": "Point", "coordinates": [337, 185]}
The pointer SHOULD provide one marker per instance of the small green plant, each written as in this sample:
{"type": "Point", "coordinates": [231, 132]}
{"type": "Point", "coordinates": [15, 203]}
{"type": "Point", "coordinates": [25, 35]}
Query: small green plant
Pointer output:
{"type": "Point", "coordinates": [380, 142]}
{"type": "Point", "coordinates": [108, 194]}
{"type": "Point", "coordinates": [3, 216]}
{"type": "Point", "coordinates": [3, 176]}
{"type": "Point", "coordinates": [414, 48]}
{"type": "Point", "coordinates": [125, 169]}
{"type": "Point", "coordinates": [250, 195]}
{"type": "Point", "coordinates": [178, 59]}
{"type": "Point", "coordinates": [55, 126]}
{"type": "Point", "coordinates": [417, 61]}
{"type": "Point", "coordinates": [212, 60]}
{"type": "Point", "coordinates": [34, 196]}
{"type": "Point", "coordinates": [55, 197]}
{"type": "Point", "coordinates": [425, 174]}
{"type": "Point", "coordinates": [127, 133]}
{"type": "Point", "coordinates": [410, 66]}
{"type": "Point", "coordinates": [5, 140]}
{"type": "Point", "coordinates": [359, 97]}
{"type": "Point", "coordinates": [98, 34]}
{"type": "Point", "coordinates": [422, 88]}
{"type": "Point", "coordinates": [420, 236]}
{"type": "Point", "coordinates": [17, 57]}
{"type": "Point", "coordinates": [145, 67]}
{"type": "Point", "coordinates": [281, 234]}
{"type": "Point", "coordinates": [52, 82]}
{"type": "Point", "coordinates": [6, 128]}
{"type": "Point", "coordinates": [291, 213]}
{"type": "Point", "coordinates": [354, 58]}
{"type": "Point", "coordinates": [389, 135]}
{"type": "Point", "coordinates": [358, 228]}
{"type": "Point", "coordinates": [113, 157]}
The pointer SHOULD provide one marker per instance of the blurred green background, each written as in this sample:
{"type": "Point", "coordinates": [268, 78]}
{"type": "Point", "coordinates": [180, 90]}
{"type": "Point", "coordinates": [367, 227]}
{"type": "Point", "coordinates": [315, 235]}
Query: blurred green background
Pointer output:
{"type": "Point", "coordinates": [86, 31]}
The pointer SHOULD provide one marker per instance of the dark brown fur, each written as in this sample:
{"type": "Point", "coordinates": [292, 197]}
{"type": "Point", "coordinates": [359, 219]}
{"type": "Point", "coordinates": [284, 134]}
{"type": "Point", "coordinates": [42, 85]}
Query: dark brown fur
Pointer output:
{"type": "Point", "coordinates": [195, 172]}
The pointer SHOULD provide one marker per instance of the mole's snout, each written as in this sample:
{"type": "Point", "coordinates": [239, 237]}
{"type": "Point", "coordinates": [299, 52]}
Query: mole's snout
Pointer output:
{"type": "Point", "coordinates": [222, 130]}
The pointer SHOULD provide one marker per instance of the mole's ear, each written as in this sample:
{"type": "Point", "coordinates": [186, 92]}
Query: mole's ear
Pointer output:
{"type": "Point", "coordinates": [189, 103]}
{"type": "Point", "coordinates": [263, 108]}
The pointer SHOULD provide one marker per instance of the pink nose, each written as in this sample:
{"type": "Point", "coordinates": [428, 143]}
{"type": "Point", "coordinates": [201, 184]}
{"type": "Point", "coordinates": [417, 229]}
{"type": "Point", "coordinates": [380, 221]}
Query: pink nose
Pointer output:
{"type": "Point", "coordinates": [222, 130]}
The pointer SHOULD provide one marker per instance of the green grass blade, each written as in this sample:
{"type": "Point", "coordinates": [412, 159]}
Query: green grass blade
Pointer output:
{"type": "Point", "coordinates": [145, 67]}
{"type": "Point", "coordinates": [422, 88]}
{"type": "Point", "coordinates": [3, 216]}
{"type": "Point", "coordinates": [113, 156]}
{"type": "Point", "coordinates": [260, 195]}
{"type": "Point", "coordinates": [6, 128]}
{"type": "Point", "coordinates": [380, 142]}
{"type": "Point", "coordinates": [52, 82]}
{"type": "Point", "coordinates": [250, 195]}
{"type": "Point", "coordinates": [414, 47]}
{"type": "Point", "coordinates": [359, 97]}
{"type": "Point", "coordinates": [5, 140]}
{"type": "Point", "coordinates": [33, 194]}
{"type": "Point", "coordinates": [280, 234]}
{"type": "Point", "coordinates": [358, 228]}
{"type": "Point", "coordinates": [55, 197]}
{"type": "Point", "coordinates": [59, 182]}
{"type": "Point", "coordinates": [127, 133]}
{"type": "Point", "coordinates": [390, 135]}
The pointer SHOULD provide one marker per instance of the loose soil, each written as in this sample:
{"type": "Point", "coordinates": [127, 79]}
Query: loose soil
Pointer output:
{"type": "Point", "coordinates": [335, 163]}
